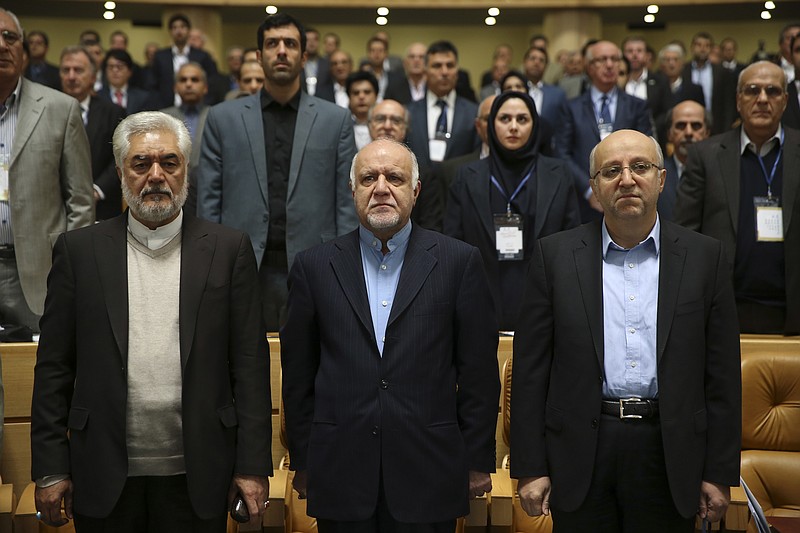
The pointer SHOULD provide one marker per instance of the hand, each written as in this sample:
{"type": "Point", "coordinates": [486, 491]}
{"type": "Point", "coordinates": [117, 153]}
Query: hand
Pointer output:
{"type": "Point", "coordinates": [254, 491]}
{"type": "Point", "coordinates": [300, 483]}
{"type": "Point", "coordinates": [594, 203]}
{"type": "Point", "coordinates": [534, 495]}
{"type": "Point", "coordinates": [96, 196]}
{"type": "Point", "coordinates": [48, 502]}
{"type": "Point", "coordinates": [714, 501]}
{"type": "Point", "coordinates": [479, 484]}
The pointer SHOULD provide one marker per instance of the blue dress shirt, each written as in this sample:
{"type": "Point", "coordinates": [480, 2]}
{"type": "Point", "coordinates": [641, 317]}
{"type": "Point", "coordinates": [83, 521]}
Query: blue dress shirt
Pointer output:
{"type": "Point", "coordinates": [630, 310]}
{"type": "Point", "coordinates": [381, 274]}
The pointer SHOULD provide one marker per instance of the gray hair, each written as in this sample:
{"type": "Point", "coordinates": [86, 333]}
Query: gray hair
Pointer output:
{"type": "Point", "coordinates": [15, 19]}
{"type": "Point", "coordinates": [593, 164]}
{"type": "Point", "coordinates": [406, 115]}
{"type": "Point", "coordinates": [676, 48]}
{"type": "Point", "coordinates": [198, 66]}
{"type": "Point", "coordinates": [414, 164]}
{"type": "Point", "coordinates": [77, 50]}
{"type": "Point", "coordinates": [146, 122]}
{"type": "Point", "coordinates": [756, 65]}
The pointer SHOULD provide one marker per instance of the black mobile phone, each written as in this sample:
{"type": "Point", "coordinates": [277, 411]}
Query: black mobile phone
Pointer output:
{"type": "Point", "coordinates": [239, 510]}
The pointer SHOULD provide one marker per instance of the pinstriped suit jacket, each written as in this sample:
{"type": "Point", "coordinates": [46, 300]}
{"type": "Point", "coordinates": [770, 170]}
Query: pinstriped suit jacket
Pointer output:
{"type": "Point", "coordinates": [420, 416]}
{"type": "Point", "coordinates": [50, 180]}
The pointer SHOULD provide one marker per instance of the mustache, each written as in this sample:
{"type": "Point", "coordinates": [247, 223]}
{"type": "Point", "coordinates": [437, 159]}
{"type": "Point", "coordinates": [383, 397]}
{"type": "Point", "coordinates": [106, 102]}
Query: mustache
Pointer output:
{"type": "Point", "coordinates": [156, 190]}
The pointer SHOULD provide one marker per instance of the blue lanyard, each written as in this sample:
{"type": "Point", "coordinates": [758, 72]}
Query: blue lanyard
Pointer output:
{"type": "Point", "coordinates": [771, 176]}
{"type": "Point", "coordinates": [516, 192]}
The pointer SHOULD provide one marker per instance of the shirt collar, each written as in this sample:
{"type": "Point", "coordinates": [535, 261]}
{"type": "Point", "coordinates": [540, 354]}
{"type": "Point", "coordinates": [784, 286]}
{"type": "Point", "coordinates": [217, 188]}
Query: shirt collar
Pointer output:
{"type": "Point", "coordinates": [642, 78]}
{"type": "Point", "coordinates": [450, 98]}
{"type": "Point", "coordinates": [745, 142]}
{"type": "Point", "coordinates": [369, 240]}
{"type": "Point", "coordinates": [180, 52]}
{"type": "Point", "coordinates": [13, 98]}
{"type": "Point", "coordinates": [154, 238]}
{"type": "Point", "coordinates": [654, 236]}
{"type": "Point", "coordinates": [267, 99]}
{"type": "Point", "coordinates": [597, 95]}
{"type": "Point", "coordinates": [85, 102]}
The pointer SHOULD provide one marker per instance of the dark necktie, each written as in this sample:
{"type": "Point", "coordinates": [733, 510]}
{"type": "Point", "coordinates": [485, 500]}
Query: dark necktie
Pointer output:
{"type": "Point", "coordinates": [605, 113]}
{"type": "Point", "coordinates": [441, 123]}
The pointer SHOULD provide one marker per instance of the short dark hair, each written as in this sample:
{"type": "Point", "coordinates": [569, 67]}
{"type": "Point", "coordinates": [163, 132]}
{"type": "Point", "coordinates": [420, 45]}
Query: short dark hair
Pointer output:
{"type": "Point", "coordinates": [312, 30]}
{"type": "Point", "coordinates": [179, 17]}
{"type": "Point", "coordinates": [374, 39]}
{"type": "Point", "coordinates": [441, 47]}
{"type": "Point", "coordinates": [538, 36]}
{"type": "Point", "coordinates": [41, 34]}
{"type": "Point", "coordinates": [279, 20]}
{"type": "Point", "coordinates": [89, 37]}
{"type": "Point", "coordinates": [361, 75]}
{"type": "Point", "coordinates": [119, 55]}
{"type": "Point", "coordinates": [786, 28]}
{"type": "Point", "coordinates": [703, 35]}
{"type": "Point", "coordinates": [706, 117]}
{"type": "Point", "coordinates": [121, 33]}
{"type": "Point", "coordinates": [538, 49]}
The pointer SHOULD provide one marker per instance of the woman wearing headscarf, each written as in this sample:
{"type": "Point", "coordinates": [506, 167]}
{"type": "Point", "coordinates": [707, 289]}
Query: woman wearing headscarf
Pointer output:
{"type": "Point", "coordinates": [503, 203]}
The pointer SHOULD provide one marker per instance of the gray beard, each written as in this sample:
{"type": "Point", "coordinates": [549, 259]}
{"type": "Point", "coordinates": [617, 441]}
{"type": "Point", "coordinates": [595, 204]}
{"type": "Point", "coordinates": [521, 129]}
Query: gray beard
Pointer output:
{"type": "Point", "coordinates": [155, 213]}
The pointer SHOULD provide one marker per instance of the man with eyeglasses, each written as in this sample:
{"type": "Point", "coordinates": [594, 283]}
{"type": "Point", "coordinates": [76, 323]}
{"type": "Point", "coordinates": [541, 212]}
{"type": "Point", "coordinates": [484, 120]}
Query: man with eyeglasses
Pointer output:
{"type": "Point", "coordinates": [741, 187]}
{"type": "Point", "coordinates": [688, 123]}
{"type": "Point", "coordinates": [636, 313]}
{"type": "Point", "coordinates": [45, 179]}
{"type": "Point", "coordinates": [388, 119]}
{"type": "Point", "coordinates": [592, 116]}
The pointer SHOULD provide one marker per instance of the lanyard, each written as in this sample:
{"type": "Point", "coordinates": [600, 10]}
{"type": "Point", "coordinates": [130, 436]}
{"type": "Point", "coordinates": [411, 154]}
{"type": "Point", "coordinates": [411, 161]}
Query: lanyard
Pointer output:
{"type": "Point", "coordinates": [516, 192]}
{"type": "Point", "coordinates": [771, 176]}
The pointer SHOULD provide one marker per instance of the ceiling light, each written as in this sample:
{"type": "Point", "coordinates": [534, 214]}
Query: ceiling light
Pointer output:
{"type": "Point", "coordinates": [381, 21]}
{"type": "Point", "coordinates": [110, 5]}
{"type": "Point", "coordinates": [108, 15]}
{"type": "Point", "coordinates": [769, 4]}
{"type": "Point", "coordinates": [493, 11]}
{"type": "Point", "coordinates": [649, 18]}
{"type": "Point", "coordinates": [652, 9]}
{"type": "Point", "coordinates": [271, 10]}
{"type": "Point", "coordinates": [766, 15]}
{"type": "Point", "coordinates": [490, 21]}
{"type": "Point", "coordinates": [383, 11]}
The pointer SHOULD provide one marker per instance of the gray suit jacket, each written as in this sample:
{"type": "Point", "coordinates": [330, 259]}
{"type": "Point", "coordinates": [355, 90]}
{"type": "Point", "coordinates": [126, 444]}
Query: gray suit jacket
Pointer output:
{"type": "Point", "coordinates": [50, 181]}
{"type": "Point", "coordinates": [708, 202]}
{"type": "Point", "coordinates": [232, 174]}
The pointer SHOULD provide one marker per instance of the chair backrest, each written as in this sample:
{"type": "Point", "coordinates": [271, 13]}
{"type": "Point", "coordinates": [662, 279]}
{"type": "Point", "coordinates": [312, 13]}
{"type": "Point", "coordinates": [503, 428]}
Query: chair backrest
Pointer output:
{"type": "Point", "coordinates": [771, 401]}
{"type": "Point", "coordinates": [505, 400]}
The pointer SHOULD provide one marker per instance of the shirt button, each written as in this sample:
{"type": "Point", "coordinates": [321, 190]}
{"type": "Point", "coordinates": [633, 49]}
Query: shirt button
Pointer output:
{"type": "Point", "coordinates": [633, 365]}
{"type": "Point", "coordinates": [384, 303]}
{"type": "Point", "coordinates": [631, 297]}
{"type": "Point", "coordinates": [384, 384]}
{"type": "Point", "coordinates": [374, 430]}
{"type": "Point", "coordinates": [630, 265]}
{"type": "Point", "coordinates": [632, 331]}
{"type": "Point", "coordinates": [374, 243]}
{"type": "Point", "coordinates": [383, 339]}
{"type": "Point", "coordinates": [383, 267]}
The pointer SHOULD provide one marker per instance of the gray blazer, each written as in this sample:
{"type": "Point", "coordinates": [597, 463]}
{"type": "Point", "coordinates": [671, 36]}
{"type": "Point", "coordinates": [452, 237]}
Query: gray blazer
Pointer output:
{"type": "Point", "coordinates": [232, 173]}
{"type": "Point", "coordinates": [50, 181]}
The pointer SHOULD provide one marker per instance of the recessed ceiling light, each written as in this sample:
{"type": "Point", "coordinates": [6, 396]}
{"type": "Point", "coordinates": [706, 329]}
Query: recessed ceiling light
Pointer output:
{"type": "Point", "coordinates": [383, 11]}
{"type": "Point", "coordinates": [490, 21]}
{"type": "Point", "coordinates": [271, 10]}
{"type": "Point", "coordinates": [108, 15]}
{"type": "Point", "coordinates": [110, 5]}
{"type": "Point", "coordinates": [493, 11]}
{"type": "Point", "coordinates": [381, 21]}
{"type": "Point", "coordinates": [769, 4]}
{"type": "Point", "coordinates": [766, 15]}
{"type": "Point", "coordinates": [652, 8]}
{"type": "Point", "coordinates": [649, 18]}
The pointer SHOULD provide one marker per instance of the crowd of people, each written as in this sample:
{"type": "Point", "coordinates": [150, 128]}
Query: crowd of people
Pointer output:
{"type": "Point", "coordinates": [333, 203]}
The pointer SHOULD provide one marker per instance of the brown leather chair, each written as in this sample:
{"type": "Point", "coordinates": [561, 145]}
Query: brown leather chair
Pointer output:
{"type": "Point", "coordinates": [771, 430]}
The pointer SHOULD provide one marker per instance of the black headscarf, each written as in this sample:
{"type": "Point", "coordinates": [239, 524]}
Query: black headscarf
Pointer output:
{"type": "Point", "coordinates": [509, 167]}
{"type": "Point", "coordinates": [514, 74]}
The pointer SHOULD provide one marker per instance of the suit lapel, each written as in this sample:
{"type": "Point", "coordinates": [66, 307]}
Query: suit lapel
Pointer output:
{"type": "Point", "coordinates": [670, 272]}
{"type": "Point", "coordinates": [349, 270]}
{"type": "Point", "coordinates": [478, 190]}
{"type": "Point", "coordinates": [306, 114]}
{"type": "Point", "coordinates": [728, 160]}
{"type": "Point", "coordinates": [417, 265]}
{"type": "Point", "coordinates": [588, 114]}
{"type": "Point", "coordinates": [197, 252]}
{"type": "Point", "coordinates": [791, 166]}
{"type": "Point", "coordinates": [31, 109]}
{"type": "Point", "coordinates": [545, 194]}
{"type": "Point", "coordinates": [254, 130]}
{"type": "Point", "coordinates": [589, 266]}
{"type": "Point", "coordinates": [93, 122]}
{"type": "Point", "coordinates": [460, 123]}
{"type": "Point", "coordinates": [111, 257]}
{"type": "Point", "coordinates": [622, 117]}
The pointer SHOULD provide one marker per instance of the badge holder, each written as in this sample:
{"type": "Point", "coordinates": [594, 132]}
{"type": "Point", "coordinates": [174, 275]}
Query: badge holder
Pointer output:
{"type": "Point", "coordinates": [769, 219]}
{"type": "Point", "coordinates": [508, 236]}
{"type": "Point", "coordinates": [437, 148]}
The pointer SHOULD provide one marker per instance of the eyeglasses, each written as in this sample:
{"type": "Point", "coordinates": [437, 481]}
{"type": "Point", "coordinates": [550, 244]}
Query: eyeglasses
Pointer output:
{"type": "Point", "coordinates": [10, 37]}
{"type": "Point", "coordinates": [754, 91]}
{"type": "Point", "coordinates": [681, 125]}
{"type": "Point", "coordinates": [394, 119]}
{"type": "Point", "coordinates": [610, 173]}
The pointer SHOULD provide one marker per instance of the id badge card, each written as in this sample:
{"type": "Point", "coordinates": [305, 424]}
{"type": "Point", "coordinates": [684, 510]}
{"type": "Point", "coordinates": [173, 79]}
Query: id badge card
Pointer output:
{"type": "Point", "coordinates": [4, 193]}
{"type": "Point", "coordinates": [437, 149]}
{"type": "Point", "coordinates": [606, 128]}
{"type": "Point", "coordinates": [769, 219]}
{"type": "Point", "coordinates": [508, 236]}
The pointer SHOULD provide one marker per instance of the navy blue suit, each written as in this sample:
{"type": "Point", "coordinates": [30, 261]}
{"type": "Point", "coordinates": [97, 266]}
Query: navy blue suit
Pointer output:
{"type": "Point", "coordinates": [419, 417]}
{"type": "Point", "coordinates": [162, 73]}
{"type": "Point", "coordinates": [554, 104]}
{"type": "Point", "coordinates": [666, 200]}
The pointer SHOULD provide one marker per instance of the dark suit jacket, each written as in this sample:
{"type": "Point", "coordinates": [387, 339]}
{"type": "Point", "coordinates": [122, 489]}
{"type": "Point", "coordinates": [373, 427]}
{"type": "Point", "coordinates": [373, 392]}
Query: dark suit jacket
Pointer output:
{"type": "Point", "coordinates": [552, 113]}
{"type": "Point", "coordinates": [397, 89]}
{"type": "Point", "coordinates": [138, 99]}
{"type": "Point", "coordinates": [559, 365]}
{"type": "Point", "coordinates": [102, 121]}
{"type": "Point", "coordinates": [708, 202]}
{"type": "Point", "coordinates": [791, 116]}
{"type": "Point", "coordinates": [666, 200]}
{"type": "Point", "coordinates": [723, 96]}
{"type": "Point", "coordinates": [657, 91]}
{"type": "Point", "coordinates": [468, 216]}
{"type": "Point", "coordinates": [162, 73]}
{"type": "Point", "coordinates": [47, 76]}
{"type": "Point", "coordinates": [579, 134]}
{"type": "Point", "coordinates": [80, 383]}
{"type": "Point", "coordinates": [420, 416]}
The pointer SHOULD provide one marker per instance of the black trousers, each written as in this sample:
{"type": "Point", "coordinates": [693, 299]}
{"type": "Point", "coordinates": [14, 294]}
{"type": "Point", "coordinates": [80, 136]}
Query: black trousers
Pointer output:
{"type": "Point", "coordinates": [759, 318]}
{"type": "Point", "coordinates": [152, 504]}
{"type": "Point", "coordinates": [382, 521]}
{"type": "Point", "coordinates": [273, 275]}
{"type": "Point", "coordinates": [629, 492]}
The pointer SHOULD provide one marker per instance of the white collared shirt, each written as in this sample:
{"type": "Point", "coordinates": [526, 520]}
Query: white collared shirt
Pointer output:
{"type": "Point", "coordinates": [638, 87]}
{"type": "Point", "coordinates": [434, 111]}
{"type": "Point", "coordinates": [536, 92]}
{"type": "Point", "coordinates": [746, 144]}
{"type": "Point", "coordinates": [340, 95]}
{"type": "Point", "coordinates": [154, 238]}
{"type": "Point", "coordinates": [788, 69]}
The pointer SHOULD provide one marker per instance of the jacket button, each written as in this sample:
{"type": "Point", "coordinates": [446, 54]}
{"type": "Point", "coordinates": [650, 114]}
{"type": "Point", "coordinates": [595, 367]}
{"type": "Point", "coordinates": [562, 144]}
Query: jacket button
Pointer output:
{"type": "Point", "coordinates": [384, 384]}
{"type": "Point", "coordinates": [595, 424]}
{"type": "Point", "coordinates": [374, 430]}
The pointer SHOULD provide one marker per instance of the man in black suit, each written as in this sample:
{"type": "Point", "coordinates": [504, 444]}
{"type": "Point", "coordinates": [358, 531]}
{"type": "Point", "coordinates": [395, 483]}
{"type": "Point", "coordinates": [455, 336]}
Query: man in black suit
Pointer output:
{"type": "Point", "coordinates": [727, 55]}
{"type": "Point", "coordinates": [151, 402]}
{"type": "Point", "coordinates": [411, 87]}
{"type": "Point", "coordinates": [119, 89]}
{"type": "Point", "coordinates": [638, 315]}
{"type": "Point", "coordinates": [39, 70]}
{"type": "Point", "coordinates": [743, 187]}
{"type": "Point", "coordinates": [389, 364]}
{"type": "Point", "coordinates": [168, 60]}
{"type": "Point", "coordinates": [100, 119]}
{"type": "Point", "coordinates": [641, 82]}
{"type": "Point", "coordinates": [317, 70]}
{"type": "Point", "coordinates": [718, 83]}
{"type": "Point", "coordinates": [791, 117]}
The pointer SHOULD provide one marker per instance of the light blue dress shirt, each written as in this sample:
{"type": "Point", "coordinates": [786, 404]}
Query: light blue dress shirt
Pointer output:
{"type": "Point", "coordinates": [597, 101]}
{"type": "Point", "coordinates": [630, 311]}
{"type": "Point", "coordinates": [381, 274]}
{"type": "Point", "coordinates": [702, 76]}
